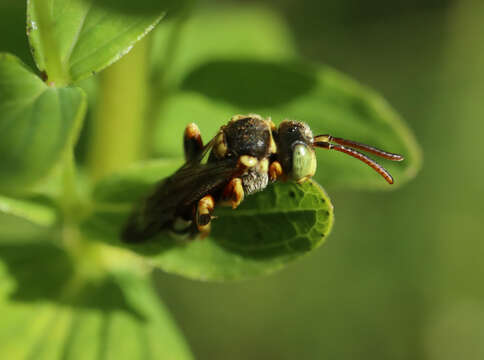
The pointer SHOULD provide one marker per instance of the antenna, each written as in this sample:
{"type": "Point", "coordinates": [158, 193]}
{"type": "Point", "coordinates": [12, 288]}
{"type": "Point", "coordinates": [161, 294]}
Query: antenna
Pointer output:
{"type": "Point", "coordinates": [324, 142]}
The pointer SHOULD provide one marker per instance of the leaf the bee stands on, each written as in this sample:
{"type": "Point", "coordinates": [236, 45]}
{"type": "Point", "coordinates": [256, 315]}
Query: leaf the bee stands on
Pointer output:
{"type": "Point", "coordinates": [287, 216]}
{"type": "Point", "coordinates": [268, 230]}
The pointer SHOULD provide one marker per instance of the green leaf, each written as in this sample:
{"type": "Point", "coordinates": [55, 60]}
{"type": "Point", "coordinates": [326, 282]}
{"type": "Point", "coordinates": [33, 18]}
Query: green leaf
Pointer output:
{"type": "Point", "coordinates": [50, 312]}
{"type": "Point", "coordinates": [216, 84]}
{"type": "Point", "coordinates": [267, 231]}
{"type": "Point", "coordinates": [73, 39]}
{"type": "Point", "coordinates": [37, 123]}
{"type": "Point", "coordinates": [13, 15]}
{"type": "Point", "coordinates": [248, 32]}
{"type": "Point", "coordinates": [144, 6]}
{"type": "Point", "coordinates": [19, 228]}
{"type": "Point", "coordinates": [25, 219]}
{"type": "Point", "coordinates": [38, 214]}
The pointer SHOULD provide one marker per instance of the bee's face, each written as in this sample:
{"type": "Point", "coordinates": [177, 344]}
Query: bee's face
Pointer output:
{"type": "Point", "coordinates": [295, 150]}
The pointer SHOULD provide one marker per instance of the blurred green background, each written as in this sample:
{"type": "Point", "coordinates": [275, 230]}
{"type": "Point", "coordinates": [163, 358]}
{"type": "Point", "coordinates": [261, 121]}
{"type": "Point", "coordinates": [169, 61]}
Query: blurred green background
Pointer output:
{"type": "Point", "coordinates": [400, 277]}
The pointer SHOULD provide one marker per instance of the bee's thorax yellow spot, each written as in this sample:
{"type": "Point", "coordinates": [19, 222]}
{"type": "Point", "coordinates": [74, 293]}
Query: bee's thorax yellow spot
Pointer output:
{"type": "Point", "coordinates": [248, 161]}
{"type": "Point", "coordinates": [220, 147]}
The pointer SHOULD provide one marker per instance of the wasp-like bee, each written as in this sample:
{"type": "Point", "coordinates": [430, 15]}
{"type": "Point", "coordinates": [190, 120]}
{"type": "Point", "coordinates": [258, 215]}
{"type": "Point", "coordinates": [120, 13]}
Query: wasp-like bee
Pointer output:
{"type": "Point", "coordinates": [243, 158]}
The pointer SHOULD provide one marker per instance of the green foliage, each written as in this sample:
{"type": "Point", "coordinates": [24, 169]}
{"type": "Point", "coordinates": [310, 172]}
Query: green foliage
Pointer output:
{"type": "Point", "coordinates": [62, 315]}
{"type": "Point", "coordinates": [72, 40]}
{"type": "Point", "coordinates": [39, 214]}
{"type": "Point", "coordinates": [61, 259]}
{"type": "Point", "coordinates": [38, 122]}
{"type": "Point", "coordinates": [144, 6]}
{"type": "Point", "coordinates": [267, 231]}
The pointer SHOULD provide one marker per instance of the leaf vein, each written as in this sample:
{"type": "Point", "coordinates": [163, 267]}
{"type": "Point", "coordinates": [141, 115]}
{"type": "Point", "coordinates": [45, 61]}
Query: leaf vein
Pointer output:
{"type": "Point", "coordinates": [101, 47]}
{"type": "Point", "coordinates": [78, 33]}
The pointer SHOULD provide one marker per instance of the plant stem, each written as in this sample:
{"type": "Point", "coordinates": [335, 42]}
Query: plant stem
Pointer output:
{"type": "Point", "coordinates": [119, 121]}
{"type": "Point", "coordinates": [70, 200]}
{"type": "Point", "coordinates": [57, 74]}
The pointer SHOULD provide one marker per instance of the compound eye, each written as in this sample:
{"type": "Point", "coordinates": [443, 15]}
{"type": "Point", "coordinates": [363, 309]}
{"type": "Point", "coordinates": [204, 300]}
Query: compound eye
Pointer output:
{"type": "Point", "coordinates": [303, 163]}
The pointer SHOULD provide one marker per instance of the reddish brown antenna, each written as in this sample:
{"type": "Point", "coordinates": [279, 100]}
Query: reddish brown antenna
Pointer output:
{"type": "Point", "coordinates": [324, 141]}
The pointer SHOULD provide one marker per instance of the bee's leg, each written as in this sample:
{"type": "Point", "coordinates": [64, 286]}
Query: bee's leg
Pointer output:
{"type": "Point", "coordinates": [275, 171]}
{"type": "Point", "coordinates": [234, 192]}
{"type": "Point", "coordinates": [203, 214]}
{"type": "Point", "coordinates": [192, 142]}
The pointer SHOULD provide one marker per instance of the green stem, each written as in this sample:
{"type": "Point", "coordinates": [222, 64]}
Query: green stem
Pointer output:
{"type": "Point", "coordinates": [57, 73]}
{"type": "Point", "coordinates": [72, 206]}
{"type": "Point", "coordinates": [119, 121]}
{"type": "Point", "coordinates": [71, 202]}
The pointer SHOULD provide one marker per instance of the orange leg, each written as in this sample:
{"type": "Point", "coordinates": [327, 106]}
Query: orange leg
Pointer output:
{"type": "Point", "coordinates": [192, 142]}
{"type": "Point", "coordinates": [234, 192]}
{"type": "Point", "coordinates": [203, 215]}
{"type": "Point", "coordinates": [275, 171]}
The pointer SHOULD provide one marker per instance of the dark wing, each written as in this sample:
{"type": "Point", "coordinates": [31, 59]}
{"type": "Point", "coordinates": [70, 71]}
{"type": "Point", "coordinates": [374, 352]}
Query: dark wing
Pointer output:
{"type": "Point", "coordinates": [198, 159]}
{"type": "Point", "coordinates": [176, 195]}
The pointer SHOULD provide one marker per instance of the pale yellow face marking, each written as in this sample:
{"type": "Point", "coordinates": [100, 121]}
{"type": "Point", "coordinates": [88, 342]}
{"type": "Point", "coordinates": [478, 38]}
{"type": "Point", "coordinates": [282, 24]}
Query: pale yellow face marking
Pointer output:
{"type": "Point", "coordinates": [304, 163]}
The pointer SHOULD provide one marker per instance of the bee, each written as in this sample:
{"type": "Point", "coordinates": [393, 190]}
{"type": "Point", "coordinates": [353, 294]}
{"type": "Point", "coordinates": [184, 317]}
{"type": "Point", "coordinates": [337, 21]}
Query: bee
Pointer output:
{"type": "Point", "coordinates": [245, 155]}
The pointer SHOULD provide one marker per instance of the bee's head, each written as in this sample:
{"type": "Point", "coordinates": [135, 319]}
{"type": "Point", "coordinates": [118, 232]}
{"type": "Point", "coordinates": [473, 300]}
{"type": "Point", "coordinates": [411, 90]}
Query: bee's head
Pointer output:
{"type": "Point", "coordinates": [296, 144]}
{"type": "Point", "coordinates": [295, 150]}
